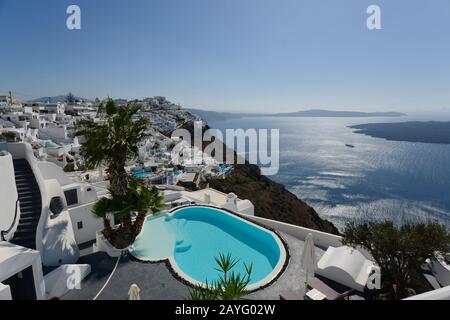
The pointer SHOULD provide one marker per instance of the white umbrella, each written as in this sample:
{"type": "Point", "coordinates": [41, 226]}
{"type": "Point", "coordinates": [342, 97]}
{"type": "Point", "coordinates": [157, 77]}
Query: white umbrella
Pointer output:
{"type": "Point", "coordinates": [133, 293]}
{"type": "Point", "coordinates": [309, 263]}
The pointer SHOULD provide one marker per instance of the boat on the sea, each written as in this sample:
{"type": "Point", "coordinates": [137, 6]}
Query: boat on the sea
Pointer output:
{"type": "Point", "coordinates": [349, 145]}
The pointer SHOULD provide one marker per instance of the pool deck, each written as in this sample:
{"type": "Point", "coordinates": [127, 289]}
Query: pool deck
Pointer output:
{"type": "Point", "coordinates": [293, 278]}
{"type": "Point", "coordinates": [157, 282]}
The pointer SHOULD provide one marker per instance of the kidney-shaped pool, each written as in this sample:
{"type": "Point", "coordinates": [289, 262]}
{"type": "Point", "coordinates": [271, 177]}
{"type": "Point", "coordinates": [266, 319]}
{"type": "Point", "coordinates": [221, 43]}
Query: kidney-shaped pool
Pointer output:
{"type": "Point", "coordinates": [191, 237]}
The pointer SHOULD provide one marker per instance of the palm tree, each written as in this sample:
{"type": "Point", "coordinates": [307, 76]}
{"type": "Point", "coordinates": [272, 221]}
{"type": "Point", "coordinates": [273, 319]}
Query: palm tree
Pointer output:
{"type": "Point", "coordinates": [122, 208]}
{"type": "Point", "coordinates": [144, 200]}
{"type": "Point", "coordinates": [138, 198]}
{"type": "Point", "coordinates": [113, 142]}
{"type": "Point", "coordinates": [100, 209]}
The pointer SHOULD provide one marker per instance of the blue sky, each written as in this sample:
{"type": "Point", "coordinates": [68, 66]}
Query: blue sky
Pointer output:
{"type": "Point", "coordinates": [232, 55]}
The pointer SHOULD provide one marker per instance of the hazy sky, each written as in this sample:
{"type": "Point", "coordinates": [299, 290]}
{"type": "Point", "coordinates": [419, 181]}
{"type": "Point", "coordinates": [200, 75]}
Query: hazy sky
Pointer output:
{"type": "Point", "coordinates": [233, 55]}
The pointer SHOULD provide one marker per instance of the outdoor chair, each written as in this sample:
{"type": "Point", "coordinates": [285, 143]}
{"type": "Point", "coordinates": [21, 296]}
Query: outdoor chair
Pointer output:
{"type": "Point", "coordinates": [330, 292]}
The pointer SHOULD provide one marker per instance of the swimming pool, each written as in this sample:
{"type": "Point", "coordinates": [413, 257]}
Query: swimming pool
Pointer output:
{"type": "Point", "coordinates": [143, 174]}
{"type": "Point", "coordinates": [190, 238]}
{"type": "Point", "coordinates": [50, 145]}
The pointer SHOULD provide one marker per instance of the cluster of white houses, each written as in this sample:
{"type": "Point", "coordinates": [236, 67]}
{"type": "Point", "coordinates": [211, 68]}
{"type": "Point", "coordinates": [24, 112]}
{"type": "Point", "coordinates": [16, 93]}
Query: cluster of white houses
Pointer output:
{"type": "Point", "coordinates": [45, 211]}
{"type": "Point", "coordinates": [49, 127]}
{"type": "Point", "coordinates": [46, 218]}
{"type": "Point", "coordinates": [46, 203]}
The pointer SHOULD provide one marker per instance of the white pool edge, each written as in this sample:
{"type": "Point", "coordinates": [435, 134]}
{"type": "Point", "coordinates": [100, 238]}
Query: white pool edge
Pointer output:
{"type": "Point", "coordinates": [173, 264]}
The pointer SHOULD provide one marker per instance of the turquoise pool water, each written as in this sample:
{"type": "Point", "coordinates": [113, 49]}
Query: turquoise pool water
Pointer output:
{"type": "Point", "coordinates": [192, 236]}
{"type": "Point", "coordinates": [50, 145]}
{"type": "Point", "coordinates": [142, 174]}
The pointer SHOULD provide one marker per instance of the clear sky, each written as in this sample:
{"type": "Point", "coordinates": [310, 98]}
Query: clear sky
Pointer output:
{"type": "Point", "coordinates": [232, 55]}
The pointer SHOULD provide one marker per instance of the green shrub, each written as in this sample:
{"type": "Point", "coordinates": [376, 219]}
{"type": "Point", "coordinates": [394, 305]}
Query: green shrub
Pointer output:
{"type": "Point", "coordinates": [229, 286]}
{"type": "Point", "coordinates": [400, 252]}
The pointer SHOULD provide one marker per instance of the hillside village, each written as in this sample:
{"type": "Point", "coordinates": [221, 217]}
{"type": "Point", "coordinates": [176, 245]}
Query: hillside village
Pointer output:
{"type": "Point", "coordinates": [49, 127]}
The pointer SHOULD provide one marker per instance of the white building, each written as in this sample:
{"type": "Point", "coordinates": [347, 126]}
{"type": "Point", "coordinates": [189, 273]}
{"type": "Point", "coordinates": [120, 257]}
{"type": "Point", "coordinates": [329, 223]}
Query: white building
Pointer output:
{"type": "Point", "coordinates": [50, 107]}
{"type": "Point", "coordinates": [45, 214]}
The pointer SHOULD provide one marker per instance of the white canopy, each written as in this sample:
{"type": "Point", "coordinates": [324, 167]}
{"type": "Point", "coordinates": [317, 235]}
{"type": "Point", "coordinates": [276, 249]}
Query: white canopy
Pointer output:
{"type": "Point", "coordinates": [346, 266]}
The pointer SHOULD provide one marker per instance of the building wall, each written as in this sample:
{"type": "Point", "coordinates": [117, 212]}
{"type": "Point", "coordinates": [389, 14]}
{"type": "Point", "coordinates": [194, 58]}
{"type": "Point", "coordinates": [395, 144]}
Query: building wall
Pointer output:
{"type": "Point", "coordinates": [59, 244]}
{"type": "Point", "coordinates": [54, 237]}
{"type": "Point", "coordinates": [16, 259]}
{"type": "Point", "coordinates": [55, 134]}
{"type": "Point", "coordinates": [90, 224]}
{"type": "Point", "coordinates": [5, 292]}
{"type": "Point", "coordinates": [52, 171]}
{"type": "Point", "coordinates": [321, 239]}
{"type": "Point", "coordinates": [438, 294]}
{"type": "Point", "coordinates": [8, 192]}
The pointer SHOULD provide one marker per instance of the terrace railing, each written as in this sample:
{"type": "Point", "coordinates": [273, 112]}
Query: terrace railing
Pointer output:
{"type": "Point", "coordinates": [5, 232]}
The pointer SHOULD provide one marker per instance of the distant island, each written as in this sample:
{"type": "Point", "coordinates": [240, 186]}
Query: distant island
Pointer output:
{"type": "Point", "coordinates": [220, 116]}
{"type": "Point", "coordinates": [336, 114]}
{"type": "Point", "coordinates": [414, 131]}
{"type": "Point", "coordinates": [55, 99]}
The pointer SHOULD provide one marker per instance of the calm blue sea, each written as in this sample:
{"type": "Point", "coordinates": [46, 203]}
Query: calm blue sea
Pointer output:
{"type": "Point", "coordinates": [375, 180]}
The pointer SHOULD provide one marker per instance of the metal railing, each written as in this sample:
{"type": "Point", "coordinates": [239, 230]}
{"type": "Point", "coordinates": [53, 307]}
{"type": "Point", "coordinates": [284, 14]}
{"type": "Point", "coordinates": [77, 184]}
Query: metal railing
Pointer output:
{"type": "Point", "coordinates": [5, 232]}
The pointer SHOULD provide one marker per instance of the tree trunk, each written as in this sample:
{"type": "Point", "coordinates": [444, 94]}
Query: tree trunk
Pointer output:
{"type": "Point", "coordinates": [118, 177]}
{"type": "Point", "coordinates": [139, 222]}
{"type": "Point", "coordinates": [127, 223]}
{"type": "Point", "coordinates": [106, 228]}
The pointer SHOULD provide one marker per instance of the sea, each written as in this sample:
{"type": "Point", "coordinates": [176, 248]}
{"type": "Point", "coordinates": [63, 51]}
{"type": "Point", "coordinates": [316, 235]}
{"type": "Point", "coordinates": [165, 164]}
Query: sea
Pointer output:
{"type": "Point", "coordinates": [346, 176]}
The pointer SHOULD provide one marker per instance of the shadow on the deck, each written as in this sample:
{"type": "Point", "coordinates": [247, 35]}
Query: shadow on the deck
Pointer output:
{"type": "Point", "coordinates": [154, 280]}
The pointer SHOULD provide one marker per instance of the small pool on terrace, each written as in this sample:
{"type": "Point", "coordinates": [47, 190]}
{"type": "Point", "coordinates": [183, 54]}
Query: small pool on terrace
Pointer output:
{"type": "Point", "coordinates": [50, 145]}
{"type": "Point", "coordinates": [143, 174]}
{"type": "Point", "coordinates": [191, 237]}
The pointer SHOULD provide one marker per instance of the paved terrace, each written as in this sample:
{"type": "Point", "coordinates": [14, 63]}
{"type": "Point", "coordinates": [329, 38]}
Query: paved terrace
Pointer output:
{"type": "Point", "coordinates": [157, 283]}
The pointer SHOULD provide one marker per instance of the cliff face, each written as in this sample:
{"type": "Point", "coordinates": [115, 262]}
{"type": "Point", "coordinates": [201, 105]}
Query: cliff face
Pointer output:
{"type": "Point", "coordinates": [271, 200]}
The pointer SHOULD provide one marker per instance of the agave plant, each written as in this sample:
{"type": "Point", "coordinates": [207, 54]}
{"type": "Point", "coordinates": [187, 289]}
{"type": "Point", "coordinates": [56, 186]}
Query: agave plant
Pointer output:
{"type": "Point", "coordinates": [229, 286]}
{"type": "Point", "coordinates": [208, 292]}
